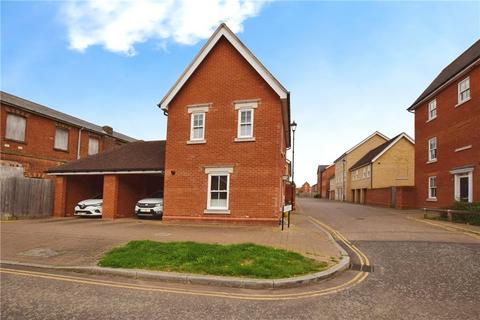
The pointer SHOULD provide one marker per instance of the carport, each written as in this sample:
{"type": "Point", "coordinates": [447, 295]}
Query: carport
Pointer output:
{"type": "Point", "coordinates": [123, 175]}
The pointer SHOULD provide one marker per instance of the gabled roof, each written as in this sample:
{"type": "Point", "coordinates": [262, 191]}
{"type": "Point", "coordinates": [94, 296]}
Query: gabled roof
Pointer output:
{"type": "Point", "coordinates": [223, 31]}
{"type": "Point", "coordinates": [135, 156]}
{"type": "Point", "coordinates": [377, 152]}
{"type": "Point", "coordinates": [27, 105]}
{"type": "Point", "coordinates": [322, 167]}
{"type": "Point", "coordinates": [464, 61]}
{"type": "Point", "coordinates": [376, 133]}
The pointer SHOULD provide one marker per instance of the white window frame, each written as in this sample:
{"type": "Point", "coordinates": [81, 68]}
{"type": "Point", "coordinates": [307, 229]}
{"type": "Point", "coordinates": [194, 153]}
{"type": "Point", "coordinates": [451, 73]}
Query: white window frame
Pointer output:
{"type": "Point", "coordinates": [193, 127]}
{"type": "Point", "coordinates": [456, 188]}
{"type": "Point", "coordinates": [432, 109]}
{"type": "Point", "coordinates": [465, 81]}
{"type": "Point", "coordinates": [8, 133]}
{"type": "Point", "coordinates": [55, 146]}
{"type": "Point", "coordinates": [89, 144]}
{"type": "Point", "coordinates": [193, 110]}
{"type": "Point", "coordinates": [239, 127]}
{"type": "Point", "coordinates": [223, 171]}
{"type": "Point", "coordinates": [243, 106]}
{"type": "Point", "coordinates": [432, 187]}
{"type": "Point", "coordinates": [430, 149]}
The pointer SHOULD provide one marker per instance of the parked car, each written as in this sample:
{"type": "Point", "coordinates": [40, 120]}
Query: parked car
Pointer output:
{"type": "Point", "coordinates": [151, 206]}
{"type": "Point", "coordinates": [90, 207]}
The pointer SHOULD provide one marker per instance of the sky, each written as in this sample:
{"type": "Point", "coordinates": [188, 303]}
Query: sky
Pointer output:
{"type": "Point", "coordinates": [352, 67]}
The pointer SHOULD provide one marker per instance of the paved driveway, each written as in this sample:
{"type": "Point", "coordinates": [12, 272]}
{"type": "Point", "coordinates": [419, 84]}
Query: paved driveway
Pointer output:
{"type": "Point", "coordinates": [421, 272]}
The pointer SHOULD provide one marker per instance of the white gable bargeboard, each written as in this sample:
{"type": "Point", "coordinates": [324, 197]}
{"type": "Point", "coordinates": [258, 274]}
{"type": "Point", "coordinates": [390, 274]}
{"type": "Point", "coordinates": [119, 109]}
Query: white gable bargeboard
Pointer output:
{"type": "Point", "coordinates": [224, 31]}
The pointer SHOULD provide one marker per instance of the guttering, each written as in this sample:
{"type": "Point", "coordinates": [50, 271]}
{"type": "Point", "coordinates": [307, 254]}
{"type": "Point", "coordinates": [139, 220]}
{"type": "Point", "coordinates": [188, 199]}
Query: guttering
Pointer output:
{"type": "Point", "coordinates": [412, 108]}
{"type": "Point", "coordinates": [103, 172]}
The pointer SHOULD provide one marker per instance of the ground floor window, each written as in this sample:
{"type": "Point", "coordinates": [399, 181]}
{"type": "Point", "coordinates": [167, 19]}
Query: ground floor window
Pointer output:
{"type": "Point", "coordinates": [432, 187]}
{"type": "Point", "coordinates": [464, 187]}
{"type": "Point", "coordinates": [218, 185]}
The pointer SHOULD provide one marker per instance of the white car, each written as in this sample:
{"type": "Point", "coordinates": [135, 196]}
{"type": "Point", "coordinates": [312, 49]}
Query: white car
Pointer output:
{"type": "Point", "coordinates": [90, 207]}
{"type": "Point", "coordinates": [151, 206]}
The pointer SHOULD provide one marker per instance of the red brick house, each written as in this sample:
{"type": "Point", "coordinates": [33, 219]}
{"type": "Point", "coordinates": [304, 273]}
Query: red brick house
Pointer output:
{"type": "Point", "coordinates": [227, 134]}
{"type": "Point", "coordinates": [447, 133]}
{"type": "Point", "coordinates": [324, 173]}
{"type": "Point", "coordinates": [305, 188]}
{"type": "Point", "coordinates": [37, 137]}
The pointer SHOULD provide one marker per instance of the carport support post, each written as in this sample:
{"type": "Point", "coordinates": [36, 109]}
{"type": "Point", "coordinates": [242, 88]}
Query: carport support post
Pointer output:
{"type": "Point", "coordinates": [60, 196]}
{"type": "Point", "coordinates": [110, 196]}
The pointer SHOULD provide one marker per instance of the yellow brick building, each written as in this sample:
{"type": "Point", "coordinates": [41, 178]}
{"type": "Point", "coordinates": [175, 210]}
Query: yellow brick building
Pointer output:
{"type": "Point", "coordinates": [391, 164]}
{"type": "Point", "coordinates": [348, 159]}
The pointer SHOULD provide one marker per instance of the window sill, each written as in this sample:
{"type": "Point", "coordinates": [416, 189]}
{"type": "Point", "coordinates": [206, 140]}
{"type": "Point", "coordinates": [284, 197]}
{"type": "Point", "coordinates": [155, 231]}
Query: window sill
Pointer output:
{"type": "Point", "coordinates": [196, 141]}
{"type": "Point", "coordinates": [464, 101]}
{"type": "Point", "coordinates": [463, 148]}
{"type": "Point", "coordinates": [15, 141]}
{"type": "Point", "coordinates": [430, 120]}
{"type": "Point", "coordinates": [431, 161]}
{"type": "Point", "coordinates": [61, 150]}
{"type": "Point", "coordinates": [219, 211]}
{"type": "Point", "coordinates": [245, 139]}
{"type": "Point", "coordinates": [431, 199]}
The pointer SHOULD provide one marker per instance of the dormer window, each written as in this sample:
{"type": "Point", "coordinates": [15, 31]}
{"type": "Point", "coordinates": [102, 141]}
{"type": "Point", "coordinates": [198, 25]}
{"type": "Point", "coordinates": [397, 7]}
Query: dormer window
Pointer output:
{"type": "Point", "coordinates": [432, 109]}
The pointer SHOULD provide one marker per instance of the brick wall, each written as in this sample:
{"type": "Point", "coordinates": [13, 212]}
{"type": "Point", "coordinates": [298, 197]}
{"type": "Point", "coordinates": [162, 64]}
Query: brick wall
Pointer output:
{"type": "Point", "coordinates": [37, 153]}
{"type": "Point", "coordinates": [454, 127]}
{"type": "Point", "coordinates": [325, 181]}
{"type": "Point", "coordinates": [256, 185]}
{"type": "Point", "coordinates": [404, 199]}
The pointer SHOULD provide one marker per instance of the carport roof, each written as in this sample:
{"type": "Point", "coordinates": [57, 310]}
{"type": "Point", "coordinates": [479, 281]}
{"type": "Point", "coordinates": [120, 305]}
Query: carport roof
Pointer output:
{"type": "Point", "coordinates": [131, 157]}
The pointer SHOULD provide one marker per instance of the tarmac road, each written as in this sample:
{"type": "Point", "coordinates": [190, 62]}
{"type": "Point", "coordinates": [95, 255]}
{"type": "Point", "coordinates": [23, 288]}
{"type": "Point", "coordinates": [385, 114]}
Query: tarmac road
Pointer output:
{"type": "Point", "coordinates": [420, 272]}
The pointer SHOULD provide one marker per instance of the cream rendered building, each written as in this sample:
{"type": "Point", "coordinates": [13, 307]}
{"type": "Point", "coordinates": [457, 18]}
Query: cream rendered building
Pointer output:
{"type": "Point", "coordinates": [348, 159]}
{"type": "Point", "coordinates": [391, 164]}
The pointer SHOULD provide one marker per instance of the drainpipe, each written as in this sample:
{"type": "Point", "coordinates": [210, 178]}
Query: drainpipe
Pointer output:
{"type": "Point", "coordinates": [79, 142]}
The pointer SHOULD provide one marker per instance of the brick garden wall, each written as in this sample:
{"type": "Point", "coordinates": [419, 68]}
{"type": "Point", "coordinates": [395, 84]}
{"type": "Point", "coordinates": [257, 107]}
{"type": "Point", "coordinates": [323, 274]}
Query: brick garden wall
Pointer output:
{"type": "Point", "coordinates": [405, 197]}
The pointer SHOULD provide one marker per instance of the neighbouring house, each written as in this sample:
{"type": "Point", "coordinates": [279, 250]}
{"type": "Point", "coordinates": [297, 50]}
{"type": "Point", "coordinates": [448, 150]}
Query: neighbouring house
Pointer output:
{"type": "Point", "coordinates": [349, 158]}
{"type": "Point", "coordinates": [447, 134]}
{"type": "Point", "coordinates": [122, 176]}
{"type": "Point", "coordinates": [314, 189]}
{"type": "Point", "coordinates": [228, 129]}
{"type": "Point", "coordinates": [385, 174]}
{"type": "Point", "coordinates": [331, 190]}
{"type": "Point", "coordinates": [320, 169]}
{"type": "Point", "coordinates": [323, 178]}
{"type": "Point", "coordinates": [36, 137]}
{"type": "Point", "coordinates": [305, 189]}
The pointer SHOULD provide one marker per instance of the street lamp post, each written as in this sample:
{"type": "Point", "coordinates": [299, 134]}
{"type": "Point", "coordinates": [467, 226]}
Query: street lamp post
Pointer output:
{"type": "Point", "coordinates": [293, 125]}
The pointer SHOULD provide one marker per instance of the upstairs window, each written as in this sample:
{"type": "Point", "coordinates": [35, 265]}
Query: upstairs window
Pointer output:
{"type": "Point", "coordinates": [61, 139]}
{"type": "Point", "coordinates": [432, 109]}
{"type": "Point", "coordinates": [93, 144]}
{"type": "Point", "coordinates": [15, 128]}
{"type": "Point", "coordinates": [197, 131]}
{"type": "Point", "coordinates": [432, 149]}
{"type": "Point", "coordinates": [464, 90]}
{"type": "Point", "coordinates": [432, 187]}
{"type": "Point", "coordinates": [245, 123]}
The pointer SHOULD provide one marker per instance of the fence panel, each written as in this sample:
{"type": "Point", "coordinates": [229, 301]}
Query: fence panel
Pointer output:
{"type": "Point", "coordinates": [25, 197]}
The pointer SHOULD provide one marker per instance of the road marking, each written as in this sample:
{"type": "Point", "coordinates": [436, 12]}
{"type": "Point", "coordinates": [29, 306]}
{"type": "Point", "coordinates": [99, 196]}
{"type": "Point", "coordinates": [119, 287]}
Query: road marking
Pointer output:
{"type": "Point", "coordinates": [448, 228]}
{"type": "Point", "coordinates": [219, 294]}
{"type": "Point", "coordinates": [362, 257]}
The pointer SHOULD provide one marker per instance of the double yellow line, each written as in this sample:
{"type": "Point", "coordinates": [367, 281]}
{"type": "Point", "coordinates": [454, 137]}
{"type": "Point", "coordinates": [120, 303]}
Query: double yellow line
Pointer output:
{"type": "Point", "coordinates": [358, 278]}
{"type": "Point", "coordinates": [336, 234]}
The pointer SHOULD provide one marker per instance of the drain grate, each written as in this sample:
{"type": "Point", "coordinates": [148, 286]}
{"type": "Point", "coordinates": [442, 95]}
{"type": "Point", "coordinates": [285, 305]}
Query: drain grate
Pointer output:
{"type": "Point", "coordinates": [361, 267]}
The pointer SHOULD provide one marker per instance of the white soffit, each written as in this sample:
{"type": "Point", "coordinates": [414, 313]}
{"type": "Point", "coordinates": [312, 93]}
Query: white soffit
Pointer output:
{"type": "Point", "coordinates": [223, 30]}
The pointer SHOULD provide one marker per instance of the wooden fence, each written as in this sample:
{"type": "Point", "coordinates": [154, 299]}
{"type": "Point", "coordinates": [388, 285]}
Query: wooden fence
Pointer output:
{"type": "Point", "coordinates": [22, 197]}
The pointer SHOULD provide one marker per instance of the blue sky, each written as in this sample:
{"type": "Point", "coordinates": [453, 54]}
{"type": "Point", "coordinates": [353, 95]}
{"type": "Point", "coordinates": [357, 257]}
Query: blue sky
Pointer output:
{"type": "Point", "coordinates": [352, 67]}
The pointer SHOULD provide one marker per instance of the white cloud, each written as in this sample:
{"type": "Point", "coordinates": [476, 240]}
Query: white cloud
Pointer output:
{"type": "Point", "coordinates": [119, 25]}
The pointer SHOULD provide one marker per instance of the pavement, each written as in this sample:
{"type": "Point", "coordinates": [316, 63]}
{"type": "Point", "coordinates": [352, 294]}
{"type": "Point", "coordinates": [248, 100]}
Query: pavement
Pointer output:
{"type": "Point", "coordinates": [81, 242]}
{"type": "Point", "coordinates": [421, 271]}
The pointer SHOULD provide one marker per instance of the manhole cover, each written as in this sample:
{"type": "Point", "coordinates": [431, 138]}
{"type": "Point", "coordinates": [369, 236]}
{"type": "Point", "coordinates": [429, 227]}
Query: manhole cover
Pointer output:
{"type": "Point", "coordinates": [40, 252]}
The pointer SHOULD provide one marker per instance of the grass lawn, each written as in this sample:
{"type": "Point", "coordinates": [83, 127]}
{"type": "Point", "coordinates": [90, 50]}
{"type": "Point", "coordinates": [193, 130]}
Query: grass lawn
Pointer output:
{"type": "Point", "coordinates": [237, 260]}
